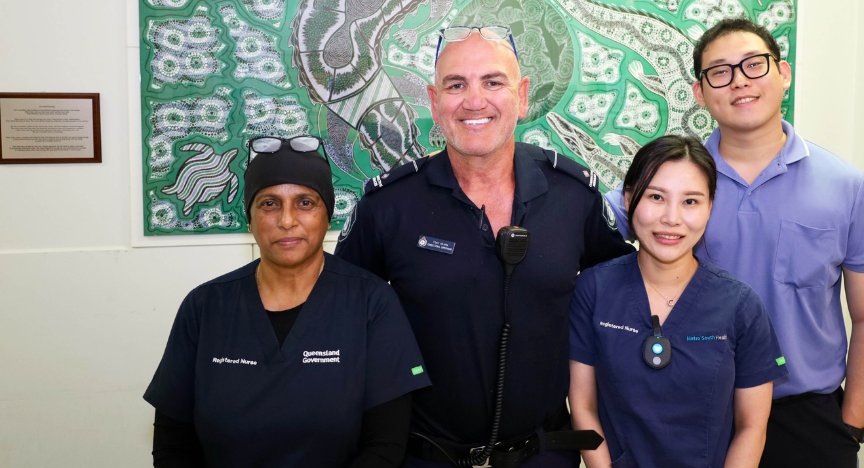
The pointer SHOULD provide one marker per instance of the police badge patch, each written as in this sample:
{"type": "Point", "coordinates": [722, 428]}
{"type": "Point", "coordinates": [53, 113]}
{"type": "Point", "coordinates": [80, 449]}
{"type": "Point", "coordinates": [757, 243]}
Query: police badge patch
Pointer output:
{"type": "Point", "coordinates": [349, 223]}
{"type": "Point", "coordinates": [609, 216]}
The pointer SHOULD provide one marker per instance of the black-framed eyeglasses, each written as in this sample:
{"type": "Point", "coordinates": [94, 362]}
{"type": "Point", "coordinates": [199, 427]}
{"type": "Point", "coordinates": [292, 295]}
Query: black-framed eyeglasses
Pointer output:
{"type": "Point", "coordinates": [756, 66]}
{"type": "Point", "coordinates": [492, 32]}
{"type": "Point", "coordinates": [268, 144]}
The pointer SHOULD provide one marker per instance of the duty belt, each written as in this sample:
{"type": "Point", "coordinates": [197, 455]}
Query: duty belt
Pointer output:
{"type": "Point", "coordinates": [514, 452]}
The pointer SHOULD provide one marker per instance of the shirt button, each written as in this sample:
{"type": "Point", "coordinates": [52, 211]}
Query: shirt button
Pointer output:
{"type": "Point", "coordinates": [750, 193]}
{"type": "Point", "coordinates": [485, 227]}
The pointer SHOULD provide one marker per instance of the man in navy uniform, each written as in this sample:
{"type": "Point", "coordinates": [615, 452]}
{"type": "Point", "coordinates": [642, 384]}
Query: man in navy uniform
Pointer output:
{"type": "Point", "coordinates": [429, 227]}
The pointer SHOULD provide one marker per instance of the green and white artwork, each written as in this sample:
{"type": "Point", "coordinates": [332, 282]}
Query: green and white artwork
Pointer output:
{"type": "Point", "coordinates": [606, 78]}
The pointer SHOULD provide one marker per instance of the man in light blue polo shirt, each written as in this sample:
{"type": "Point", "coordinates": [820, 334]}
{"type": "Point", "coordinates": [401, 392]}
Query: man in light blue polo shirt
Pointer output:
{"type": "Point", "coordinates": [788, 217]}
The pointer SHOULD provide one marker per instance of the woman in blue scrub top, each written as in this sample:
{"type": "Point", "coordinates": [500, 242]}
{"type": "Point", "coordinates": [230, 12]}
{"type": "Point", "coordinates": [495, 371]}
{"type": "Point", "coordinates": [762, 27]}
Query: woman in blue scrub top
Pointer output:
{"type": "Point", "coordinates": [299, 359]}
{"type": "Point", "coordinates": [696, 390]}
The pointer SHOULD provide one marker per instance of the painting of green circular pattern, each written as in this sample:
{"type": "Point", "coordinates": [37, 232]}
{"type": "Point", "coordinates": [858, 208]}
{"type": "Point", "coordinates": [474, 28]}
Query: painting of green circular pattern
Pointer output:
{"type": "Point", "coordinates": [606, 77]}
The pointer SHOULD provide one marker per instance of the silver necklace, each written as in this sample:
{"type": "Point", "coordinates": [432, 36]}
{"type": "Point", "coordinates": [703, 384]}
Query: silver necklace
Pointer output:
{"type": "Point", "coordinates": [669, 302]}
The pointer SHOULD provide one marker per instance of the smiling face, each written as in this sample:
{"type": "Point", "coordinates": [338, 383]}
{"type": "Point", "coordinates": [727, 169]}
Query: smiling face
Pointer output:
{"type": "Point", "coordinates": [673, 212]}
{"type": "Point", "coordinates": [289, 223]}
{"type": "Point", "coordinates": [478, 96]}
{"type": "Point", "coordinates": [746, 105]}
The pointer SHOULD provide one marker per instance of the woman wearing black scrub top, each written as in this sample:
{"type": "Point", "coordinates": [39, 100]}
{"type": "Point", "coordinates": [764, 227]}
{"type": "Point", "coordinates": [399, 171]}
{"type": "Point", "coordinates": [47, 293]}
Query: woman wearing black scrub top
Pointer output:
{"type": "Point", "coordinates": [299, 359]}
{"type": "Point", "coordinates": [709, 406]}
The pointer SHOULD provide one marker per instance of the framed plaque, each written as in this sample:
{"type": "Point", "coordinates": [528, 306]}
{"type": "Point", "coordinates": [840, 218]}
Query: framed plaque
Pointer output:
{"type": "Point", "coordinates": [50, 128]}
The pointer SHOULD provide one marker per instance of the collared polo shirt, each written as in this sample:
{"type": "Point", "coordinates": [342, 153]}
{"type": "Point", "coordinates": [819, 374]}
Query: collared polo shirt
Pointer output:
{"type": "Point", "coordinates": [787, 235]}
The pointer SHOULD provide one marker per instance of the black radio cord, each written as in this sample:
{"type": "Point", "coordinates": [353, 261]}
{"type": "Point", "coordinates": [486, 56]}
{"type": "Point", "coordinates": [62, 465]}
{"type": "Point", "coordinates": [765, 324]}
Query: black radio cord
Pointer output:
{"type": "Point", "coordinates": [479, 457]}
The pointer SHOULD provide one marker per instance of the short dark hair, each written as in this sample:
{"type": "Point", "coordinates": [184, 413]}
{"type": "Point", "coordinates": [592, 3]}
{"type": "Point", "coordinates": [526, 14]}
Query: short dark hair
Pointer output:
{"type": "Point", "coordinates": [650, 157]}
{"type": "Point", "coordinates": [730, 26]}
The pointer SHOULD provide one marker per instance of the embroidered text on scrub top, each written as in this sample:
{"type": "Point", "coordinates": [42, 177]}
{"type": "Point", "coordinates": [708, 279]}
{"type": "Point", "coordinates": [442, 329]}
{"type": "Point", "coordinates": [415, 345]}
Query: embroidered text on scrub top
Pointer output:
{"type": "Point", "coordinates": [326, 357]}
{"type": "Point", "coordinates": [225, 360]}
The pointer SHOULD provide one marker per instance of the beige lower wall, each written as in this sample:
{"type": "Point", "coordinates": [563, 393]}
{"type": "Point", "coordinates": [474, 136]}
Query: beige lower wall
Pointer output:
{"type": "Point", "coordinates": [81, 334]}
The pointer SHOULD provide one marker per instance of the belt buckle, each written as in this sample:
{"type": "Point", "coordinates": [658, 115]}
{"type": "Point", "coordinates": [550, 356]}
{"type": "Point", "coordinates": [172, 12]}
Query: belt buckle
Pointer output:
{"type": "Point", "coordinates": [517, 446]}
{"type": "Point", "coordinates": [479, 449]}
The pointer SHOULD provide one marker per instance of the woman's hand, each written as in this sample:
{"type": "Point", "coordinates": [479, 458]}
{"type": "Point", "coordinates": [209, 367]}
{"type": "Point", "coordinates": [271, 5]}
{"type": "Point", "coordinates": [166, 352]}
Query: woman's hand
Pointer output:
{"type": "Point", "coordinates": [752, 407]}
{"type": "Point", "coordinates": [583, 409]}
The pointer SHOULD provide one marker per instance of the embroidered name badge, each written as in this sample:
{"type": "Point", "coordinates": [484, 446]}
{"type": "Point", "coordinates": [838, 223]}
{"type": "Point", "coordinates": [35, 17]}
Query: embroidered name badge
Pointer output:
{"type": "Point", "coordinates": [437, 245]}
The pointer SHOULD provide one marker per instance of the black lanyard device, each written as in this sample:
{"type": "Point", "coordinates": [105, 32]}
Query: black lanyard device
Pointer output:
{"type": "Point", "coordinates": [657, 351]}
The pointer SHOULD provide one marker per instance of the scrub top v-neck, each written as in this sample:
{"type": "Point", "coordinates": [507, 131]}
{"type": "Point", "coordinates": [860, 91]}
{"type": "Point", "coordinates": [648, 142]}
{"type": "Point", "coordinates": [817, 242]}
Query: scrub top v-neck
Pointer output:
{"type": "Point", "coordinates": [283, 322]}
{"type": "Point", "coordinates": [256, 403]}
{"type": "Point", "coordinates": [681, 415]}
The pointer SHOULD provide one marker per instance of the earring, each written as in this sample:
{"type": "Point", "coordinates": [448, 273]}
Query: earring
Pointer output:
{"type": "Point", "coordinates": [249, 228]}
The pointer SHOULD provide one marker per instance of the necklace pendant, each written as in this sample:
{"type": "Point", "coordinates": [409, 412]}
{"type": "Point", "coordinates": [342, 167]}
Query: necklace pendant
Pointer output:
{"type": "Point", "coordinates": [671, 302]}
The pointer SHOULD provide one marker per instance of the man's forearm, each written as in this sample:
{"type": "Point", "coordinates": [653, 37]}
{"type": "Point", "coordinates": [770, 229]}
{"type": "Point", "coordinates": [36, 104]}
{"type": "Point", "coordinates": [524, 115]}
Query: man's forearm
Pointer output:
{"type": "Point", "coordinates": [853, 400]}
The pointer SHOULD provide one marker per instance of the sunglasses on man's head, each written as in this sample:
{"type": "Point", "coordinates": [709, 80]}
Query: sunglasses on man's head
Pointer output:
{"type": "Point", "coordinates": [460, 33]}
{"type": "Point", "coordinates": [268, 144]}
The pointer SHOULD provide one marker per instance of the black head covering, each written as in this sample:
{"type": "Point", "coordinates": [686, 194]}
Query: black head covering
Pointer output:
{"type": "Point", "coordinates": [287, 166]}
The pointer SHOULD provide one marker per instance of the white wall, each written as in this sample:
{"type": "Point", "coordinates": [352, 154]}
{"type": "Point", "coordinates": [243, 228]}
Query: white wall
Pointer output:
{"type": "Point", "coordinates": [84, 316]}
{"type": "Point", "coordinates": [857, 67]}
{"type": "Point", "coordinates": [81, 334]}
{"type": "Point", "coordinates": [827, 87]}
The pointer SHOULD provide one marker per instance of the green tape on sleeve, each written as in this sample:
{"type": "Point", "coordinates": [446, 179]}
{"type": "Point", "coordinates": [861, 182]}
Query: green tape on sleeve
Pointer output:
{"type": "Point", "coordinates": [417, 370]}
{"type": "Point", "coordinates": [781, 360]}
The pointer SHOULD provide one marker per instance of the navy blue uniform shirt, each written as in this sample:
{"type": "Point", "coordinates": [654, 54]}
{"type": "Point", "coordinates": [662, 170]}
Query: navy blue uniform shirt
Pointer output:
{"type": "Point", "coordinates": [681, 415]}
{"type": "Point", "coordinates": [256, 404]}
{"type": "Point", "coordinates": [416, 228]}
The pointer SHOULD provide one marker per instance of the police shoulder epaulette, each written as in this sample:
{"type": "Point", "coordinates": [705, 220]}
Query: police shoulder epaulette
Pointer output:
{"type": "Point", "coordinates": [394, 174]}
{"type": "Point", "coordinates": [573, 169]}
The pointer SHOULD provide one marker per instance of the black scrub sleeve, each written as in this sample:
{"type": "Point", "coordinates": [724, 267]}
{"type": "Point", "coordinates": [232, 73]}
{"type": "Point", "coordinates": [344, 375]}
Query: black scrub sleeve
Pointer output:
{"type": "Point", "coordinates": [384, 434]}
{"type": "Point", "coordinates": [602, 240]}
{"type": "Point", "coordinates": [175, 444]}
{"type": "Point", "coordinates": [172, 390]}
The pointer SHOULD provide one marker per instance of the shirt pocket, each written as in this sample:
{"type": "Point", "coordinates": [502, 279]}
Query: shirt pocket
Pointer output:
{"type": "Point", "coordinates": [623, 461]}
{"type": "Point", "coordinates": [803, 254]}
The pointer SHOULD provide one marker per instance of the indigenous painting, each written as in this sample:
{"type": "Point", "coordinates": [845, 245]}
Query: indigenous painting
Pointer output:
{"type": "Point", "coordinates": [606, 78]}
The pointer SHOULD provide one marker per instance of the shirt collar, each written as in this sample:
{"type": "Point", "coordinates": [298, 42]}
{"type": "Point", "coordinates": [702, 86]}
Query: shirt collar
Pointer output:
{"type": "Point", "coordinates": [530, 181]}
{"type": "Point", "coordinates": [439, 171]}
{"type": "Point", "coordinates": [794, 150]}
